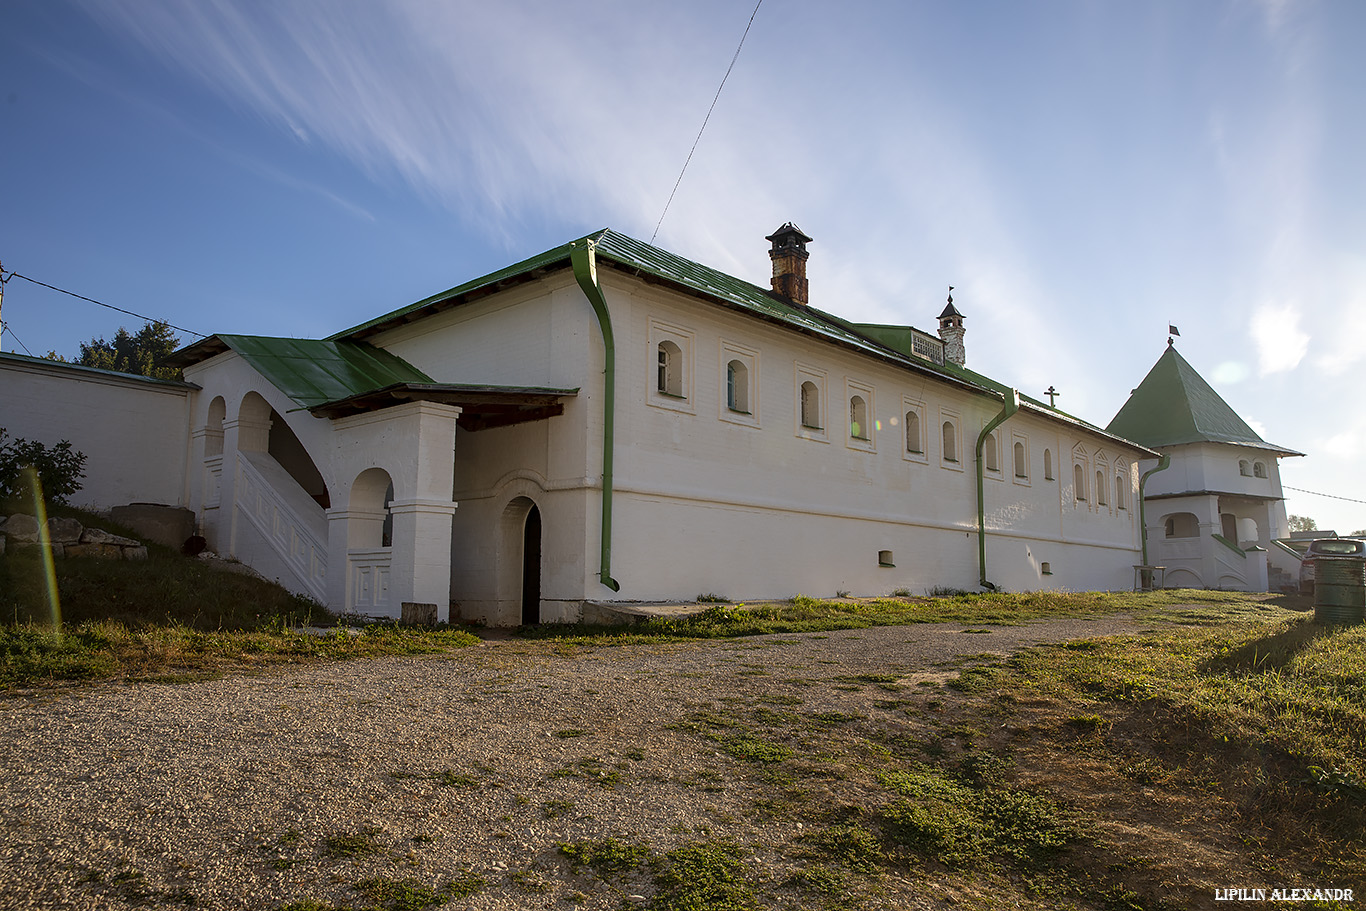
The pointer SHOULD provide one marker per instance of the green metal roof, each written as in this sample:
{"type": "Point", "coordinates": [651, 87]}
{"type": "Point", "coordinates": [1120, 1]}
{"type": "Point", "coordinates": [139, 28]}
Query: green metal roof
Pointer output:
{"type": "Point", "coordinates": [312, 372]}
{"type": "Point", "coordinates": [635, 257]}
{"type": "Point", "coordinates": [1174, 405]}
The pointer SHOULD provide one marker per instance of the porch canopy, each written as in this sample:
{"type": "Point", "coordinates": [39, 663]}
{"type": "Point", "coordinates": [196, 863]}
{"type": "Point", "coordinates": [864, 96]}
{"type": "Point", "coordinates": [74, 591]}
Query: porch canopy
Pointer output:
{"type": "Point", "coordinates": [335, 379]}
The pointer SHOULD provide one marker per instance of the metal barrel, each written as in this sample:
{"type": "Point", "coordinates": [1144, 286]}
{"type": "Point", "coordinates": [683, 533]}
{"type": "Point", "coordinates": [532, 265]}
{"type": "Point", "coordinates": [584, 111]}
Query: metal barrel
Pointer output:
{"type": "Point", "coordinates": [1339, 589]}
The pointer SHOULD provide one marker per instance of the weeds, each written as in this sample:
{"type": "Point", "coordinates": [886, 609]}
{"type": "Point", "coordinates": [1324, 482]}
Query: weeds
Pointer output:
{"type": "Point", "coordinates": [346, 846]}
{"type": "Point", "coordinates": [606, 857]}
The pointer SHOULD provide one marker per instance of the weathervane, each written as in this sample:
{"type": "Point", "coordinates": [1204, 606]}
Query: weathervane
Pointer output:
{"type": "Point", "coordinates": [1171, 330]}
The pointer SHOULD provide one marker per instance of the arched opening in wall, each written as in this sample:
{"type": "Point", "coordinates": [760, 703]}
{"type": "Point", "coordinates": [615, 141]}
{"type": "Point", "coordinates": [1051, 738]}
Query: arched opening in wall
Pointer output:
{"type": "Point", "coordinates": [737, 387]}
{"type": "Point", "coordinates": [1244, 468]}
{"type": "Point", "coordinates": [253, 423]}
{"type": "Point", "coordinates": [287, 449]}
{"type": "Point", "coordinates": [1259, 469]}
{"type": "Point", "coordinates": [371, 523]}
{"type": "Point", "coordinates": [1079, 483]}
{"type": "Point", "coordinates": [1183, 578]}
{"type": "Point", "coordinates": [1228, 526]}
{"type": "Point", "coordinates": [1048, 465]}
{"type": "Point", "coordinates": [1121, 500]}
{"type": "Point", "coordinates": [1100, 488]}
{"type": "Point", "coordinates": [213, 438]}
{"type": "Point", "coordinates": [531, 567]}
{"type": "Point", "coordinates": [1181, 525]}
{"type": "Point", "coordinates": [1248, 530]}
{"type": "Point", "coordinates": [1021, 465]}
{"type": "Point", "coordinates": [519, 555]}
{"type": "Point", "coordinates": [990, 460]}
{"type": "Point", "coordinates": [669, 370]}
{"type": "Point", "coordinates": [811, 406]}
{"type": "Point", "coordinates": [858, 418]}
{"type": "Point", "coordinates": [912, 432]}
{"type": "Point", "coordinates": [950, 442]}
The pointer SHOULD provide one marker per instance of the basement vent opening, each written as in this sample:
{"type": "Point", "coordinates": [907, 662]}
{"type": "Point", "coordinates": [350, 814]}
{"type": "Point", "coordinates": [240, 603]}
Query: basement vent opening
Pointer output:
{"type": "Point", "coordinates": [884, 558]}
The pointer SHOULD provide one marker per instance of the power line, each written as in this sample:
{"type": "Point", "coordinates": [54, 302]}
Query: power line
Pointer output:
{"type": "Point", "coordinates": [705, 119]}
{"type": "Point", "coordinates": [4, 327]}
{"type": "Point", "coordinates": [1331, 496]}
{"type": "Point", "coordinates": [150, 319]}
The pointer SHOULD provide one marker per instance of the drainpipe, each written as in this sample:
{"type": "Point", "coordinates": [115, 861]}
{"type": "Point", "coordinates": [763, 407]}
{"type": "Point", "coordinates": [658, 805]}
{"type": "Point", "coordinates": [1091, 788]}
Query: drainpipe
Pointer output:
{"type": "Point", "coordinates": [1162, 465]}
{"type": "Point", "coordinates": [584, 261]}
{"type": "Point", "coordinates": [1012, 405]}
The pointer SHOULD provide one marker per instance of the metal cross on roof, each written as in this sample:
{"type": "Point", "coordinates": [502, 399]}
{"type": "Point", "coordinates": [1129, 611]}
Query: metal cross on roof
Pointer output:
{"type": "Point", "coordinates": [1052, 394]}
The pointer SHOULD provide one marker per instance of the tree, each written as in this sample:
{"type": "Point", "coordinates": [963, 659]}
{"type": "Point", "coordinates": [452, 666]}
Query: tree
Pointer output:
{"type": "Point", "coordinates": [141, 354]}
{"type": "Point", "coordinates": [1303, 523]}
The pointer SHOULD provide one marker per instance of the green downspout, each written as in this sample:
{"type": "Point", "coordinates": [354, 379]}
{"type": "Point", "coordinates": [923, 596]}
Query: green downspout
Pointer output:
{"type": "Point", "coordinates": [581, 256]}
{"type": "Point", "coordinates": [1162, 464]}
{"type": "Point", "coordinates": [1012, 405]}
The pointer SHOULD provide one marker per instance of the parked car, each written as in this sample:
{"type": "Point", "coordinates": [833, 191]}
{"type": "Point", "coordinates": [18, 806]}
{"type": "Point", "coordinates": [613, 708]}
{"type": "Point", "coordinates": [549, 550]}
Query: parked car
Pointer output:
{"type": "Point", "coordinates": [1326, 547]}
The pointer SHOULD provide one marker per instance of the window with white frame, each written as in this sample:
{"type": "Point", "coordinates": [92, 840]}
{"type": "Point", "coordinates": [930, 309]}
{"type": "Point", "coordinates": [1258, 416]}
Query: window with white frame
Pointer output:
{"type": "Point", "coordinates": [1079, 483]}
{"type": "Point", "coordinates": [858, 418]}
{"type": "Point", "coordinates": [913, 430]}
{"type": "Point", "coordinates": [1259, 469]}
{"type": "Point", "coordinates": [810, 401]}
{"type": "Point", "coordinates": [741, 383]}
{"type": "Point", "coordinates": [862, 415]}
{"type": "Point", "coordinates": [670, 352]}
{"type": "Point", "coordinates": [991, 457]}
{"type": "Point", "coordinates": [737, 387]}
{"type": "Point", "coordinates": [948, 439]}
{"type": "Point", "coordinates": [1244, 468]}
{"type": "Point", "coordinates": [1100, 487]}
{"type": "Point", "coordinates": [1021, 461]}
{"type": "Point", "coordinates": [811, 405]}
{"type": "Point", "coordinates": [1121, 488]}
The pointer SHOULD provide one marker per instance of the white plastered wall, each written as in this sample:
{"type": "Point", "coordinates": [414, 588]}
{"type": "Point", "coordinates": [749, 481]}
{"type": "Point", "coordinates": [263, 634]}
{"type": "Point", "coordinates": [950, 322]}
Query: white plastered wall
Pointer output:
{"type": "Point", "coordinates": [134, 432]}
{"type": "Point", "coordinates": [748, 506]}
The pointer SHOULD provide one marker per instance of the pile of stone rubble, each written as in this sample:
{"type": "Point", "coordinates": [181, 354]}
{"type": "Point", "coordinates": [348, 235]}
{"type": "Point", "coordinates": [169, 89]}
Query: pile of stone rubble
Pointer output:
{"type": "Point", "coordinates": [68, 537]}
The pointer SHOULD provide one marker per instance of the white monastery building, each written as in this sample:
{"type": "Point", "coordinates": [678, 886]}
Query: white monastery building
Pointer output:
{"type": "Point", "coordinates": [610, 422]}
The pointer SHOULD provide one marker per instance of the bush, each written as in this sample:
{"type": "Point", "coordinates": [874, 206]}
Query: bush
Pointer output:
{"type": "Point", "coordinates": [59, 468]}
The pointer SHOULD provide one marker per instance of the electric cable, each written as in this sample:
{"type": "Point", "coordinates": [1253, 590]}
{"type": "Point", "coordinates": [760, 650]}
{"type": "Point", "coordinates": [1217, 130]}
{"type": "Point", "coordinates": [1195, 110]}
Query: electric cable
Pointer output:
{"type": "Point", "coordinates": [705, 120]}
{"type": "Point", "coordinates": [1331, 496]}
{"type": "Point", "coordinates": [149, 319]}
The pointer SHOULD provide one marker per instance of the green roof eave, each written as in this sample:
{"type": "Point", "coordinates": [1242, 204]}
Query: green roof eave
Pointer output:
{"type": "Point", "coordinates": [46, 362]}
{"type": "Point", "coordinates": [310, 372]}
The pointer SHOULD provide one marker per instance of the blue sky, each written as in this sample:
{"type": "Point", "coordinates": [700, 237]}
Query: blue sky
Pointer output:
{"type": "Point", "coordinates": [1084, 173]}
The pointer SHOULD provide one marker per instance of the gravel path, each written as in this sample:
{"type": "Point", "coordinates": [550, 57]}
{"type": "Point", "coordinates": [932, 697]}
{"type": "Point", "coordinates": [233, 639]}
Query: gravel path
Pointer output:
{"type": "Point", "coordinates": [257, 791]}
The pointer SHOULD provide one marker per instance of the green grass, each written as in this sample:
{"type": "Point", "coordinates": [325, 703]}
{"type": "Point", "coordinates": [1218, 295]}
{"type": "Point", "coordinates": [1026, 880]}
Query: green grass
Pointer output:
{"type": "Point", "coordinates": [804, 614]}
{"type": "Point", "coordinates": [171, 619]}
{"type": "Point", "coordinates": [1294, 688]}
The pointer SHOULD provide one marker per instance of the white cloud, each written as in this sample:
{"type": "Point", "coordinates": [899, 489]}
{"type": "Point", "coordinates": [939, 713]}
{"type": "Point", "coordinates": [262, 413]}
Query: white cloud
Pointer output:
{"type": "Point", "coordinates": [1281, 344]}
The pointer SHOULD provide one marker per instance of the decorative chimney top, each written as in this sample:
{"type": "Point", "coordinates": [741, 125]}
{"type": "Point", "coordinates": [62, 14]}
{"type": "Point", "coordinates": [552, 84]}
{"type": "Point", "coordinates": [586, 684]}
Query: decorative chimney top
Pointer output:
{"type": "Point", "coordinates": [789, 263]}
{"type": "Point", "coordinates": [951, 331]}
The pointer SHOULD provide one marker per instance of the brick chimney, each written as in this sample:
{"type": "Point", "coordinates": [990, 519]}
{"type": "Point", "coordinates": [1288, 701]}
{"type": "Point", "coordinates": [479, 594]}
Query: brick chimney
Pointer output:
{"type": "Point", "coordinates": [951, 331]}
{"type": "Point", "coordinates": [789, 263]}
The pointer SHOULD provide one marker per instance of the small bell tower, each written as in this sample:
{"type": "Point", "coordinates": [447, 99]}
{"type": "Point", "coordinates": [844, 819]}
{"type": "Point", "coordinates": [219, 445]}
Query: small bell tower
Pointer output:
{"type": "Point", "coordinates": [951, 331]}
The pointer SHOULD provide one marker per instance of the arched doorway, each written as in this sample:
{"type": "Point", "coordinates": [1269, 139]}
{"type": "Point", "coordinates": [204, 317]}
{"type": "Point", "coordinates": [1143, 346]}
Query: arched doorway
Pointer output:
{"type": "Point", "coordinates": [531, 567]}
